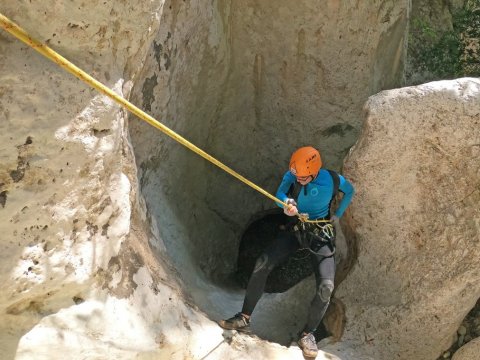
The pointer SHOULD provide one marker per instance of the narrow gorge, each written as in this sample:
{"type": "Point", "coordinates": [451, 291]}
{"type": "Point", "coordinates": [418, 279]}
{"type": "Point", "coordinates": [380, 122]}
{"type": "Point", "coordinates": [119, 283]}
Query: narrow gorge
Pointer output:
{"type": "Point", "coordinates": [120, 243]}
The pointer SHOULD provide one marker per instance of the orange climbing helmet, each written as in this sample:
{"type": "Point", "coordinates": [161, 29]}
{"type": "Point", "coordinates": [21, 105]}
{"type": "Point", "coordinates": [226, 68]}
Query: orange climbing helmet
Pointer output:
{"type": "Point", "coordinates": [305, 161]}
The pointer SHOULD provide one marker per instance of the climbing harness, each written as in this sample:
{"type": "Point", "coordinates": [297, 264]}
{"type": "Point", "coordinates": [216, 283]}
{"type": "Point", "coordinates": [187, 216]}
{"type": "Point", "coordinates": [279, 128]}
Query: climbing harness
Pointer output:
{"type": "Point", "coordinates": [49, 53]}
{"type": "Point", "coordinates": [314, 236]}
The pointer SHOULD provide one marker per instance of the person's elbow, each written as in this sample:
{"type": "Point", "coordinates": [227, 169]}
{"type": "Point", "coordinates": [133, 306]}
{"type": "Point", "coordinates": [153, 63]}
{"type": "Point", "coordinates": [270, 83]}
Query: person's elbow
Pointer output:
{"type": "Point", "coordinates": [352, 191]}
{"type": "Point", "coordinates": [348, 191]}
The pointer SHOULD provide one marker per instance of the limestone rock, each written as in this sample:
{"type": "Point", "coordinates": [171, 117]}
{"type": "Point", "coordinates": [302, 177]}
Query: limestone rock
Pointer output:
{"type": "Point", "coordinates": [416, 220]}
{"type": "Point", "coordinates": [67, 179]}
{"type": "Point", "coordinates": [469, 351]}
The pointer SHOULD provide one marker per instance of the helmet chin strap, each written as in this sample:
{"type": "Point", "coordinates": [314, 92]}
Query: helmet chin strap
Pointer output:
{"type": "Point", "coordinates": [309, 178]}
{"type": "Point", "coordinates": [314, 177]}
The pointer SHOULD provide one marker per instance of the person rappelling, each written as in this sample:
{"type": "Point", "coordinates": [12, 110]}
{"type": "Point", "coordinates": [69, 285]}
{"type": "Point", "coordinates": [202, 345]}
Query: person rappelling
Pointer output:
{"type": "Point", "coordinates": [307, 192]}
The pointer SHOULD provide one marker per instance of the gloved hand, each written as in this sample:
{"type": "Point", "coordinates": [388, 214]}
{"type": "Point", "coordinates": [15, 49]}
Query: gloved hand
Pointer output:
{"type": "Point", "coordinates": [291, 202]}
{"type": "Point", "coordinates": [334, 219]}
{"type": "Point", "coordinates": [291, 208]}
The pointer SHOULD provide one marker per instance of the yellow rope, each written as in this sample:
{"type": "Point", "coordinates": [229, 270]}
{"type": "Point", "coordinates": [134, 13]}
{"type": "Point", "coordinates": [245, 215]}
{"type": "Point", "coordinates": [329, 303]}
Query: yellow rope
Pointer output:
{"type": "Point", "coordinates": [46, 51]}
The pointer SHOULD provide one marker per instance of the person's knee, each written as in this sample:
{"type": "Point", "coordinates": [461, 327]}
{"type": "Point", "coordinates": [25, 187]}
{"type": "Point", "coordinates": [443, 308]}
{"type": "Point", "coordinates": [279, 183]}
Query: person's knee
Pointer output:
{"type": "Point", "coordinates": [325, 290]}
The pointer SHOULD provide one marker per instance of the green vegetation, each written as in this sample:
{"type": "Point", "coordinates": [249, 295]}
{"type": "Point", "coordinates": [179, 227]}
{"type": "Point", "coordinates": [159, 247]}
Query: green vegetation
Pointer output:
{"type": "Point", "coordinates": [435, 54]}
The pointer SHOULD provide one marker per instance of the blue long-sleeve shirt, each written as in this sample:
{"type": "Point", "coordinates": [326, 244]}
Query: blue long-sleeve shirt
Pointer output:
{"type": "Point", "coordinates": [315, 201]}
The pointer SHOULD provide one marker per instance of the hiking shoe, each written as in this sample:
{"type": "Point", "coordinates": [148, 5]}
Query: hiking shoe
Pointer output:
{"type": "Point", "coordinates": [237, 322]}
{"type": "Point", "coordinates": [308, 345]}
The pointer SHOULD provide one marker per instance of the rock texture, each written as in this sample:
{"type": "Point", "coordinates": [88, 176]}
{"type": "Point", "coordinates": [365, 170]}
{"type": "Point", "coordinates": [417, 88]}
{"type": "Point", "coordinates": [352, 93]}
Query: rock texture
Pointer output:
{"type": "Point", "coordinates": [67, 178]}
{"type": "Point", "coordinates": [469, 351]}
{"type": "Point", "coordinates": [416, 220]}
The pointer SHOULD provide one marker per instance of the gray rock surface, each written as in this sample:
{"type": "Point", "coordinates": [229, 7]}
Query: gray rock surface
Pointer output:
{"type": "Point", "coordinates": [67, 179]}
{"type": "Point", "coordinates": [469, 351]}
{"type": "Point", "coordinates": [416, 220]}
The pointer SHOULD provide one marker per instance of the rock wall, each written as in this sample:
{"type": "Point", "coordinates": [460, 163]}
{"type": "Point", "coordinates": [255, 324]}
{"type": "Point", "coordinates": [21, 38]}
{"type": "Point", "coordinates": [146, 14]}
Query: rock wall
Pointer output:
{"type": "Point", "coordinates": [67, 178]}
{"type": "Point", "coordinates": [469, 351]}
{"type": "Point", "coordinates": [416, 220]}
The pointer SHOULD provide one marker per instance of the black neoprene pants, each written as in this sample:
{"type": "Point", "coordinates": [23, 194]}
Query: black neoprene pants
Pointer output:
{"type": "Point", "coordinates": [324, 269]}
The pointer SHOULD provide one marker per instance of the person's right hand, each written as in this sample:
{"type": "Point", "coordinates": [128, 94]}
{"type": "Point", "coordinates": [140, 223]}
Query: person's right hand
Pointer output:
{"type": "Point", "coordinates": [290, 210]}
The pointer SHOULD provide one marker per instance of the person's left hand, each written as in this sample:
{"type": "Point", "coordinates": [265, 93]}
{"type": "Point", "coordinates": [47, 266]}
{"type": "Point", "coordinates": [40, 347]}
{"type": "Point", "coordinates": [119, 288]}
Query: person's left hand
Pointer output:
{"type": "Point", "coordinates": [334, 219]}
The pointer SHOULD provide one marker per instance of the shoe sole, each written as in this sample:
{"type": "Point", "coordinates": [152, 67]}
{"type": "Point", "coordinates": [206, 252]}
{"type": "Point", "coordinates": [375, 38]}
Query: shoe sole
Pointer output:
{"type": "Point", "coordinates": [245, 329]}
{"type": "Point", "coordinates": [308, 353]}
